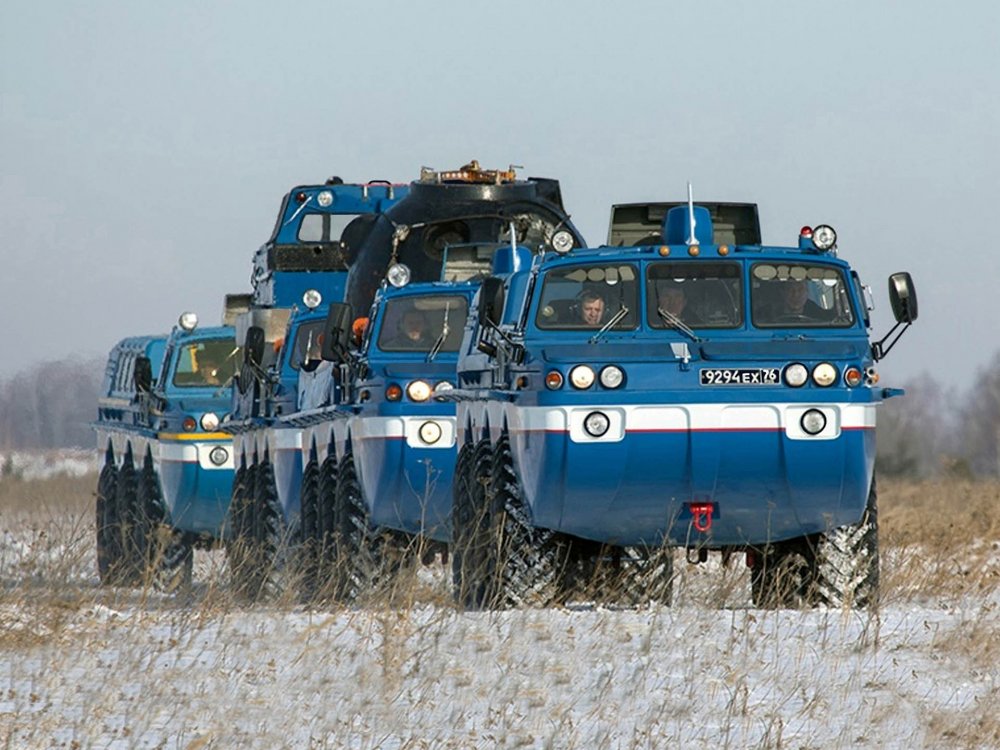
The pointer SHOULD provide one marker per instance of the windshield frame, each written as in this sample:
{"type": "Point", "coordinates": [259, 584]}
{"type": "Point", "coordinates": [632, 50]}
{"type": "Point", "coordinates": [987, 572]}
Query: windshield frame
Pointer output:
{"type": "Point", "coordinates": [391, 338]}
{"type": "Point", "coordinates": [567, 313]}
{"type": "Point", "coordinates": [808, 275]}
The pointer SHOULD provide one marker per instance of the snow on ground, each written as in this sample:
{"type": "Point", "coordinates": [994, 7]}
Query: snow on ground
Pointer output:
{"type": "Point", "coordinates": [31, 465]}
{"type": "Point", "coordinates": [86, 667]}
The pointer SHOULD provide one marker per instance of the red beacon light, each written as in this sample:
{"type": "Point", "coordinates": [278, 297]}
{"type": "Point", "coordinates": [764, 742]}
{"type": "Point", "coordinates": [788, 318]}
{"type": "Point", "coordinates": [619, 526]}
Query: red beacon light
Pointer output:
{"type": "Point", "coordinates": [806, 232]}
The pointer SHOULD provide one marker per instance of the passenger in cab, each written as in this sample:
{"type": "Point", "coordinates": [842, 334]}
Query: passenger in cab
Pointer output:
{"type": "Point", "coordinates": [413, 332]}
{"type": "Point", "coordinates": [591, 308]}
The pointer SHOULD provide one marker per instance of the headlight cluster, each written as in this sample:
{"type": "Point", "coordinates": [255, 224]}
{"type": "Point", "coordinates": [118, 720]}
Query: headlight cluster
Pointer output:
{"type": "Point", "coordinates": [416, 390]}
{"type": "Point", "coordinates": [824, 375]}
{"type": "Point", "coordinates": [582, 377]}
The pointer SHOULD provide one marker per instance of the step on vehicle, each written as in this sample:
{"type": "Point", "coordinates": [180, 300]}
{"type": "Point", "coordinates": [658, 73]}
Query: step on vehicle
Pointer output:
{"type": "Point", "coordinates": [165, 484]}
{"type": "Point", "coordinates": [617, 402]}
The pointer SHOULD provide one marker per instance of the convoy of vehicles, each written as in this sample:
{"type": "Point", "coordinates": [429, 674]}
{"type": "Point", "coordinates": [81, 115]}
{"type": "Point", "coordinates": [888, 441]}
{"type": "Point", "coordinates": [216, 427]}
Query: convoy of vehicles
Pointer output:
{"type": "Point", "coordinates": [556, 418]}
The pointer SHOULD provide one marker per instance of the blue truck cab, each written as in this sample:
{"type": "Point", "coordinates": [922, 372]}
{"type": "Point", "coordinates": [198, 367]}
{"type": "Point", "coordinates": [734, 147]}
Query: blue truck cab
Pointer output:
{"type": "Point", "coordinates": [166, 465]}
{"type": "Point", "coordinates": [317, 233]}
{"type": "Point", "coordinates": [617, 402]}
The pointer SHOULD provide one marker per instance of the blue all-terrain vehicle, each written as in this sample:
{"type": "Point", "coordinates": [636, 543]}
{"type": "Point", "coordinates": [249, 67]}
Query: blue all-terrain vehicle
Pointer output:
{"type": "Point", "coordinates": [617, 402]}
{"type": "Point", "coordinates": [305, 262]}
{"type": "Point", "coordinates": [165, 484]}
{"type": "Point", "coordinates": [378, 448]}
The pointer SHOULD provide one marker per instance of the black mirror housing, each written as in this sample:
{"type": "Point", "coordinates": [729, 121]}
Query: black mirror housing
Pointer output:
{"type": "Point", "coordinates": [143, 375]}
{"type": "Point", "coordinates": [253, 347]}
{"type": "Point", "coordinates": [337, 332]}
{"type": "Point", "coordinates": [491, 301]}
{"type": "Point", "coordinates": [903, 297]}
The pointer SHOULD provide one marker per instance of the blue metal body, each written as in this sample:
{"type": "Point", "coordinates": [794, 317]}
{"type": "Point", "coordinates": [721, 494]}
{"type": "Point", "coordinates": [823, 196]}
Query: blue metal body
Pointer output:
{"type": "Point", "coordinates": [165, 424]}
{"type": "Point", "coordinates": [677, 446]}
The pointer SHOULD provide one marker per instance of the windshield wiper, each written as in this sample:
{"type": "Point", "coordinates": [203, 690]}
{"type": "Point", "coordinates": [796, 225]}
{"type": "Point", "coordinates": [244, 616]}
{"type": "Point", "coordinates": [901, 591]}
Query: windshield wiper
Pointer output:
{"type": "Point", "coordinates": [440, 339]}
{"type": "Point", "coordinates": [614, 321]}
{"type": "Point", "coordinates": [674, 322]}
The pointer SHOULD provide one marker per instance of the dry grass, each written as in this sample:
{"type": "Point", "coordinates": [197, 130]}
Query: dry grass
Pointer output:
{"type": "Point", "coordinates": [134, 668]}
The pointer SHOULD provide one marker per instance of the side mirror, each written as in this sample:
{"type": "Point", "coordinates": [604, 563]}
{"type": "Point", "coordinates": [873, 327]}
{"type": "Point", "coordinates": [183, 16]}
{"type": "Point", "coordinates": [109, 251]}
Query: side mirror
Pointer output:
{"type": "Point", "coordinates": [143, 375]}
{"type": "Point", "coordinates": [491, 301]}
{"type": "Point", "coordinates": [337, 332]}
{"type": "Point", "coordinates": [903, 297]}
{"type": "Point", "coordinates": [253, 347]}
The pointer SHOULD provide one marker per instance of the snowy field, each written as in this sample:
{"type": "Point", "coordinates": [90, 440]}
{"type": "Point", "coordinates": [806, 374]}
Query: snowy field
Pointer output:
{"type": "Point", "coordinates": [84, 667]}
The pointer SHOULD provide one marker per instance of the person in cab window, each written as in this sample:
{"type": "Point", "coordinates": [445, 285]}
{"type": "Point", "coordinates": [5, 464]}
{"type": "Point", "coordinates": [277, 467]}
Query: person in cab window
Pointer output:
{"type": "Point", "coordinates": [591, 308]}
{"type": "Point", "coordinates": [413, 332]}
{"type": "Point", "coordinates": [796, 305]}
{"type": "Point", "coordinates": [673, 299]}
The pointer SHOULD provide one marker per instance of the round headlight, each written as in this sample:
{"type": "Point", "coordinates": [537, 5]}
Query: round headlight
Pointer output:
{"type": "Point", "coordinates": [325, 199]}
{"type": "Point", "coordinates": [430, 432]}
{"type": "Point", "coordinates": [312, 299]}
{"type": "Point", "coordinates": [444, 385]}
{"type": "Point", "coordinates": [209, 421]}
{"type": "Point", "coordinates": [218, 455]}
{"type": "Point", "coordinates": [398, 275]}
{"type": "Point", "coordinates": [562, 241]}
{"type": "Point", "coordinates": [596, 423]}
{"type": "Point", "coordinates": [824, 238]}
{"type": "Point", "coordinates": [824, 374]}
{"type": "Point", "coordinates": [581, 376]}
{"type": "Point", "coordinates": [796, 375]}
{"type": "Point", "coordinates": [612, 376]}
{"type": "Point", "coordinates": [813, 421]}
{"type": "Point", "coordinates": [188, 321]}
{"type": "Point", "coordinates": [418, 390]}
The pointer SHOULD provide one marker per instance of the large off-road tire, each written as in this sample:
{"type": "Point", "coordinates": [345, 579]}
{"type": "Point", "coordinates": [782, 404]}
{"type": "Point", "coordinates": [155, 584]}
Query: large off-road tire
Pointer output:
{"type": "Point", "coordinates": [166, 554]}
{"type": "Point", "coordinates": [239, 537]}
{"type": "Point", "coordinates": [837, 569]}
{"type": "Point", "coordinates": [269, 544]}
{"type": "Point", "coordinates": [526, 564]}
{"type": "Point", "coordinates": [359, 547]}
{"type": "Point", "coordinates": [327, 572]}
{"type": "Point", "coordinates": [109, 532]}
{"type": "Point", "coordinates": [308, 556]}
{"type": "Point", "coordinates": [131, 563]}
{"type": "Point", "coordinates": [847, 561]}
{"type": "Point", "coordinates": [470, 527]}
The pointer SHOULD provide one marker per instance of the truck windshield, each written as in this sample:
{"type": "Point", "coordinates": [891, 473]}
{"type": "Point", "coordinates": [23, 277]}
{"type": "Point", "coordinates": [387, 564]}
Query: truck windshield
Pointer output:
{"type": "Point", "coordinates": [698, 294]}
{"type": "Point", "coordinates": [416, 324]}
{"type": "Point", "coordinates": [799, 295]}
{"type": "Point", "coordinates": [588, 296]}
{"type": "Point", "coordinates": [206, 363]}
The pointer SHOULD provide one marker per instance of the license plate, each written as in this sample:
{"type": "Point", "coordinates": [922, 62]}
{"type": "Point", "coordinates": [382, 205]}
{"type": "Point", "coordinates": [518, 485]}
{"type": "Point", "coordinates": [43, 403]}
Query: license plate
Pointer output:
{"type": "Point", "coordinates": [739, 376]}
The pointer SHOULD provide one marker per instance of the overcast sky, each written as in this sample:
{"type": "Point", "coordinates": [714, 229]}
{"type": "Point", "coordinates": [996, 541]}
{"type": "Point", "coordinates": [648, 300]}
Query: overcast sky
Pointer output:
{"type": "Point", "coordinates": [144, 147]}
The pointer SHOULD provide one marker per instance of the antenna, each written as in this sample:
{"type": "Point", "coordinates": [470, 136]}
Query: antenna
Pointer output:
{"type": "Point", "coordinates": [691, 239]}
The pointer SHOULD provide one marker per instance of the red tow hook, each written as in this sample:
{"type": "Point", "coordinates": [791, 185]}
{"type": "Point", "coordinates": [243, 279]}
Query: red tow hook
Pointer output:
{"type": "Point", "coordinates": [701, 515]}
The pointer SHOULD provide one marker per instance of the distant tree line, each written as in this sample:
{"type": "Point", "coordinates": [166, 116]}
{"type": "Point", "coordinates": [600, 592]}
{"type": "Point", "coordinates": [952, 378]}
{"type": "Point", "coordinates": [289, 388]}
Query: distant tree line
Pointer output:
{"type": "Point", "coordinates": [51, 405]}
{"type": "Point", "coordinates": [932, 431]}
